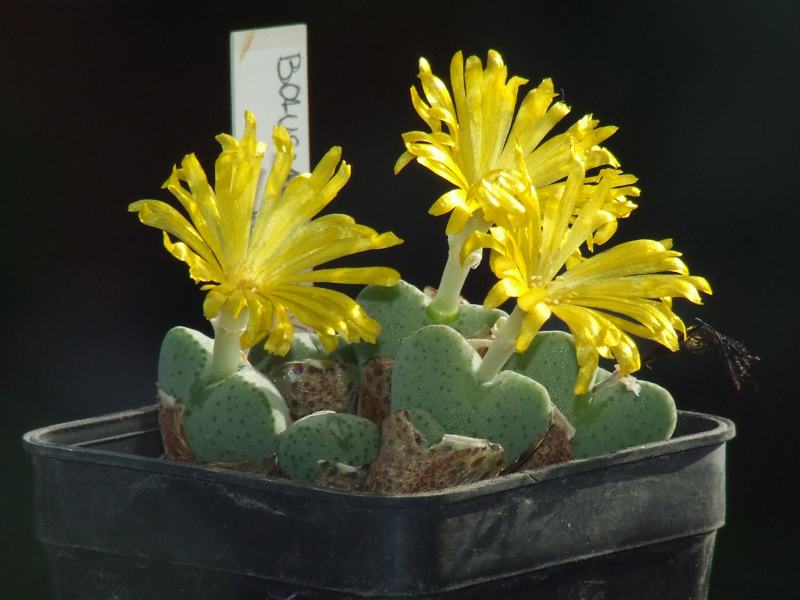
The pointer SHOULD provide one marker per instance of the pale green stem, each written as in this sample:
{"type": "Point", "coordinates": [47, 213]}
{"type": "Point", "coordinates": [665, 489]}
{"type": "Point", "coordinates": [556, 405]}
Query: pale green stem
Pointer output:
{"type": "Point", "coordinates": [502, 347]}
{"type": "Point", "coordinates": [501, 350]}
{"type": "Point", "coordinates": [444, 306]}
{"type": "Point", "coordinates": [227, 345]}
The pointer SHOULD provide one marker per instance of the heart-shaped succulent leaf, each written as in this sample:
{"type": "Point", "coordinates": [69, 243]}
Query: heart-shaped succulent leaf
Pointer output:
{"type": "Point", "coordinates": [610, 417]}
{"type": "Point", "coordinates": [326, 436]}
{"type": "Point", "coordinates": [233, 420]}
{"type": "Point", "coordinates": [184, 363]}
{"type": "Point", "coordinates": [238, 418]}
{"type": "Point", "coordinates": [430, 428]}
{"type": "Point", "coordinates": [616, 417]}
{"type": "Point", "coordinates": [435, 370]}
{"type": "Point", "coordinates": [550, 360]}
{"type": "Point", "coordinates": [401, 310]}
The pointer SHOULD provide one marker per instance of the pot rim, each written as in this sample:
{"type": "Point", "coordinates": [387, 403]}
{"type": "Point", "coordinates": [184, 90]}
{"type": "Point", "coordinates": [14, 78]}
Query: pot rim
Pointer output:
{"type": "Point", "coordinates": [63, 442]}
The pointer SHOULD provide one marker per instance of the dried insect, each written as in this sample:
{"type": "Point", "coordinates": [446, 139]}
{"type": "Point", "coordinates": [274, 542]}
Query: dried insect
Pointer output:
{"type": "Point", "coordinates": [702, 338]}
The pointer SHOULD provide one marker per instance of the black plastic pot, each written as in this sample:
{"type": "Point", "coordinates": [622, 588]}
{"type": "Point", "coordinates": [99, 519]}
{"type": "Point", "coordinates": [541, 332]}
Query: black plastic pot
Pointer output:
{"type": "Point", "coordinates": [119, 522]}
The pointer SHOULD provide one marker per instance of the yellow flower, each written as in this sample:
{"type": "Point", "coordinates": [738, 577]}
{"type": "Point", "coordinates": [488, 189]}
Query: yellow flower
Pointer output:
{"type": "Point", "coordinates": [475, 133]}
{"type": "Point", "coordinates": [603, 298]}
{"type": "Point", "coordinates": [261, 268]}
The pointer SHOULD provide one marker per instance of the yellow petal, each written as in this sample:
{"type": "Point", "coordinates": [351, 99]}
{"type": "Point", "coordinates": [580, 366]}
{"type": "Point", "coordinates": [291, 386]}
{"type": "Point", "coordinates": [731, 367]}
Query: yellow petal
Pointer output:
{"type": "Point", "coordinates": [423, 110]}
{"type": "Point", "coordinates": [590, 333]}
{"type": "Point", "coordinates": [215, 300]}
{"type": "Point", "coordinates": [320, 241]}
{"type": "Point", "coordinates": [434, 88]}
{"type": "Point", "coordinates": [440, 162]}
{"type": "Point", "coordinates": [329, 342]}
{"type": "Point", "coordinates": [531, 324]}
{"type": "Point", "coordinates": [262, 269]}
{"type": "Point", "coordinates": [279, 341]}
{"type": "Point", "coordinates": [644, 286]}
{"type": "Point", "coordinates": [639, 257]}
{"type": "Point", "coordinates": [303, 197]}
{"type": "Point", "coordinates": [476, 131]}
{"type": "Point", "coordinates": [162, 216]}
{"type": "Point", "coordinates": [192, 173]}
{"type": "Point", "coordinates": [327, 311]}
{"type": "Point", "coordinates": [199, 269]}
{"type": "Point", "coordinates": [458, 219]}
{"type": "Point", "coordinates": [404, 159]}
{"type": "Point", "coordinates": [477, 240]}
{"type": "Point", "coordinates": [448, 201]}
{"type": "Point", "coordinates": [497, 295]}
{"type": "Point", "coordinates": [208, 230]}
{"type": "Point", "coordinates": [353, 275]}
{"type": "Point", "coordinates": [260, 319]}
{"type": "Point", "coordinates": [536, 118]}
{"type": "Point", "coordinates": [279, 173]}
{"type": "Point", "coordinates": [236, 175]}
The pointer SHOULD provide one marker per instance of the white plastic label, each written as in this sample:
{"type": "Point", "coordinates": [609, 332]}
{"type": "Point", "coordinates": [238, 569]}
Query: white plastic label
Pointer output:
{"type": "Point", "coordinates": [269, 77]}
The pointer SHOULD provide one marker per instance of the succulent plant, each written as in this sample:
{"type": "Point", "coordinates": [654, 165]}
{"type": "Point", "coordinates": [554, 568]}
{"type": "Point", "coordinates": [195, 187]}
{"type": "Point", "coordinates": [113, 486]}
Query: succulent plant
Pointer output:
{"type": "Point", "coordinates": [256, 271]}
{"type": "Point", "coordinates": [436, 370]}
{"type": "Point", "coordinates": [430, 429]}
{"type": "Point", "coordinates": [326, 436]}
{"type": "Point", "coordinates": [235, 419]}
{"type": "Point", "coordinates": [539, 206]}
{"type": "Point", "coordinates": [616, 413]}
{"type": "Point", "coordinates": [402, 309]}
{"type": "Point", "coordinates": [184, 363]}
{"type": "Point", "coordinates": [238, 418]}
{"type": "Point", "coordinates": [551, 360]}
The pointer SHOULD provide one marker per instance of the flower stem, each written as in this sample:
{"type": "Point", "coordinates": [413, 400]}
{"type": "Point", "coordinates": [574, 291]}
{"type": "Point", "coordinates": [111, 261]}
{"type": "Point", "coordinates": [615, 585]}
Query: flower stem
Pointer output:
{"type": "Point", "coordinates": [227, 346]}
{"type": "Point", "coordinates": [444, 306]}
{"type": "Point", "coordinates": [502, 347]}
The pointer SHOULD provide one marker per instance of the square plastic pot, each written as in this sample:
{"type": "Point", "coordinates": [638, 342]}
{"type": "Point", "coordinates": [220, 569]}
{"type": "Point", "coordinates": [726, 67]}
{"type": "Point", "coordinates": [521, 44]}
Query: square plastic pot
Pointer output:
{"type": "Point", "coordinates": [119, 522]}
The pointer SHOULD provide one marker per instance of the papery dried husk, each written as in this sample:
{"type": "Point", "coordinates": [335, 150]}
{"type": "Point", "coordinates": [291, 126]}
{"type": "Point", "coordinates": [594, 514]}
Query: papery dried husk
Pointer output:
{"type": "Point", "coordinates": [407, 463]}
{"type": "Point", "coordinates": [375, 390]}
{"type": "Point", "coordinates": [170, 422]}
{"type": "Point", "coordinates": [553, 448]}
{"type": "Point", "coordinates": [312, 385]}
{"type": "Point", "coordinates": [267, 468]}
{"type": "Point", "coordinates": [339, 475]}
{"type": "Point", "coordinates": [480, 345]}
{"type": "Point", "coordinates": [431, 292]}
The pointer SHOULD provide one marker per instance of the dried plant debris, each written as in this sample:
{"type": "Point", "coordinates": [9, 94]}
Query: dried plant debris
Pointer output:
{"type": "Point", "coordinates": [480, 345]}
{"type": "Point", "coordinates": [554, 448]}
{"type": "Point", "coordinates": [170, 421]}
{"type": "Point", "coordinates": [267, 468]}
{"type": "Point", "coordinates": [431, 292]}
{"type": "Point", "coordinates": [702, 338]}
{"type": "Point", "coordinates": [408, 463]}
{"type": "Point", "coordinates": [311, 385]}
{"type": "Point", "coordinates": [339, 475]}
{"type": "Point", "coordinates": [374, 391]}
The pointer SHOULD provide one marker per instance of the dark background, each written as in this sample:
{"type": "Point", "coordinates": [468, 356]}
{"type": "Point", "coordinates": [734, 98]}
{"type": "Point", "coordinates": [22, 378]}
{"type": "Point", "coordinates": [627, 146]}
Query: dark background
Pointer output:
{"type": "Point", "coordinates": [99, 99]}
